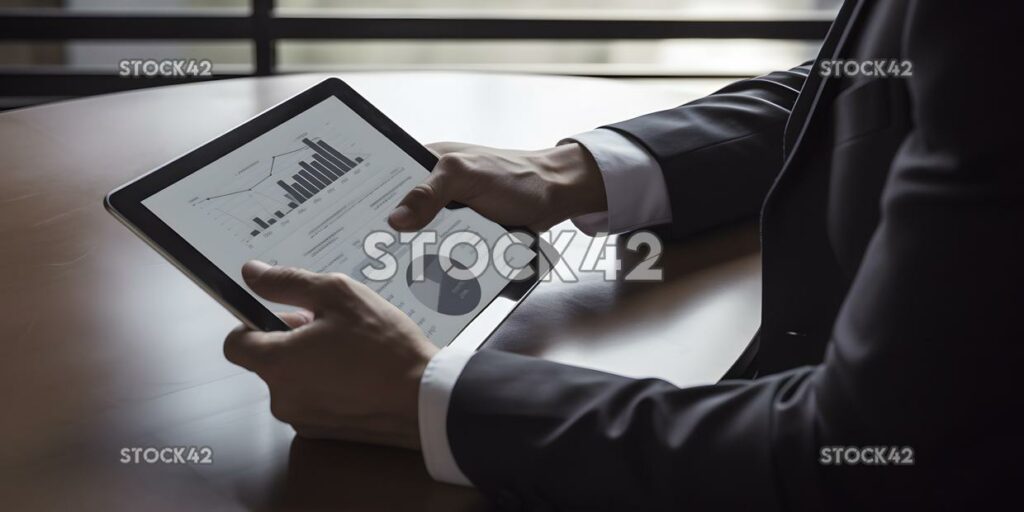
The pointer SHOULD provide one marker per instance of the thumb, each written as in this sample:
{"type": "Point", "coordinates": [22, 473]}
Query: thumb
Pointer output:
{"type": "Point", "coordinates": [448, 182]}
{"type": "Point", "coordinates": [286, 285]}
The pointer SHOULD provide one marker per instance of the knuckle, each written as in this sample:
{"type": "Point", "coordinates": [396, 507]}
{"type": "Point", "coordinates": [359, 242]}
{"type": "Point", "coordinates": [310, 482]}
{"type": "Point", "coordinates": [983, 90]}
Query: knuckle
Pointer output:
{"type": "Point", "coordinates": [421, 192]}
{"type": "Point", "coordinates": [288, 274]}
{"type": "Point", "coordinates": [278, 412]}
{"type": "Point", "coordinates": [252, 351]}
{"type": "Point", "coordinates": [231, 348]}
{"type": "Point", "coordinates": [455, 162]}
{"type": "Point", "coordinates": [275, 277]}
{"type": "Point", "coordinates": [339, 283]}
{"type": "Point", "coordinates": [281, 409]}
{"type": "Point", "coordinates": [236, 348]}
{"type": "Point", "coordinates": [447, 160]}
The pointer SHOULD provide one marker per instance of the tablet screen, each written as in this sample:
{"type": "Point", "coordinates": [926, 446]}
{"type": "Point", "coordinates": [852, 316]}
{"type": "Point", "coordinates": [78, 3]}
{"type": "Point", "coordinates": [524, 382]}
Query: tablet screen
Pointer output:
{"type": "Point", "coordinates": [309, 192]}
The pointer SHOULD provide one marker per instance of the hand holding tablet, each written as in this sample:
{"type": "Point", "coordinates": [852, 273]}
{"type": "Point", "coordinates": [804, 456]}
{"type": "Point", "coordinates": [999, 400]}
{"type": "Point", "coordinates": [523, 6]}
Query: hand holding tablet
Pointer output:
{"type": "Point", "coordinates": [306, 185]}
{"type": "Point", "coordinates": [351, 373]}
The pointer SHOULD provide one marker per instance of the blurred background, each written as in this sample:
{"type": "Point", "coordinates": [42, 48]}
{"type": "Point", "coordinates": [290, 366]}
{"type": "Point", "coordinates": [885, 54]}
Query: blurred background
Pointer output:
{"type": "Point", "coordinates": [55, 49]}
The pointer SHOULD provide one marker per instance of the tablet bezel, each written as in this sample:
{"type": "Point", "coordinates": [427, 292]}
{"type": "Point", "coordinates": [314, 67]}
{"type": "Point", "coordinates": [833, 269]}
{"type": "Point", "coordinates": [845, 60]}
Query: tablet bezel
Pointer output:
{"type": "Point", "coordinates": [125, 203]}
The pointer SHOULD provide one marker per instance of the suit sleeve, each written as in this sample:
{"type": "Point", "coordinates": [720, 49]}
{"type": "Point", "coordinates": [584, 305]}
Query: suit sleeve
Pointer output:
{"type": "Point", "coordinates": [721, 153]}
{"type": "Point", "coordinates": [924, 353]}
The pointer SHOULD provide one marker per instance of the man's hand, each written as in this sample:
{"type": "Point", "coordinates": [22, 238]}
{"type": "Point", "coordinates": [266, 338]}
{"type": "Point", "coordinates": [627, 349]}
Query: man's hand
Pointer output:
{"type": "Point", "coordinates": [536, 189]}
{"type": "Point", "coordinates": [350, 367]}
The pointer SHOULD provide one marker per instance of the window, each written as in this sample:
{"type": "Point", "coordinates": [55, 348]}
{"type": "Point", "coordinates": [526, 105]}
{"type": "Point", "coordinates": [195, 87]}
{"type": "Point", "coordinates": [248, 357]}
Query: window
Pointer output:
{"type": "Point", "coordinates": [55, 48]}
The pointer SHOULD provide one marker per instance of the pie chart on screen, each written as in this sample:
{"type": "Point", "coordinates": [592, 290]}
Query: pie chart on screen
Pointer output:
{"type": "Point", "coordinates": [440, 291]}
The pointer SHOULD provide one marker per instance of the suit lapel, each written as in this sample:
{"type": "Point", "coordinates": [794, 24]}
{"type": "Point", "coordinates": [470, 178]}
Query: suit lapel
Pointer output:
{"type": "Point", "coordinates": [816, 85]}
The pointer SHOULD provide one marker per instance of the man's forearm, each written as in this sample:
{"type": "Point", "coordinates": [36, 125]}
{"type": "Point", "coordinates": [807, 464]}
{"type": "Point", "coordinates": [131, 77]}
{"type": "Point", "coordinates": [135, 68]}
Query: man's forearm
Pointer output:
{"type": "Point", "coordinates": [721, 153]}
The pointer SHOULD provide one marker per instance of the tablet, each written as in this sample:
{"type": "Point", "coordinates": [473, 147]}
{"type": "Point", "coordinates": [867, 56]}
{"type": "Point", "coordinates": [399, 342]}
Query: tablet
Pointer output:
{"type": "Point", "coordinates": [309, 183]}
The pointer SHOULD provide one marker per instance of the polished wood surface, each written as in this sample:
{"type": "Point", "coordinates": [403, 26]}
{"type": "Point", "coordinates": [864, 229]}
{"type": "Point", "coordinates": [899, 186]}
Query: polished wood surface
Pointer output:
{"type": "Point", "coordinates": [106, 346]}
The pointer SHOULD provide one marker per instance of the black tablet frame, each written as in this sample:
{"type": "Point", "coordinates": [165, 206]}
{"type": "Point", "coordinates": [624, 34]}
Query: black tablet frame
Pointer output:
{"type": "Point", "coordinates": [125, 202]}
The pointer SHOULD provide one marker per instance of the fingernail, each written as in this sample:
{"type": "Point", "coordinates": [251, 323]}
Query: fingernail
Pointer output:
{"type": "Point", "coordinates": [400, 217]}
{"type": "Point", "coordinates": [254, 268]}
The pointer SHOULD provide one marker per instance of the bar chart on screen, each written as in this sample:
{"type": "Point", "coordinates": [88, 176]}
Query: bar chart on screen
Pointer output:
{"type": "Point", "coordinates": [264, 193]}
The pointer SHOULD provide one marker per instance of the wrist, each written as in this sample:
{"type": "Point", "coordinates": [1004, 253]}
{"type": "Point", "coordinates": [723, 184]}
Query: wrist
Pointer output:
{"type": "Point", "coordinates": [576, 186]}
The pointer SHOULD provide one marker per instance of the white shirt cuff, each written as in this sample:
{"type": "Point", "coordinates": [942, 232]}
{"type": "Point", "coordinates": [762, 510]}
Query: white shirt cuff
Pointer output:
{"type": "Point", "coordinates": [436, 385]}
{"type": "Point", "coordinates": [633, 184]}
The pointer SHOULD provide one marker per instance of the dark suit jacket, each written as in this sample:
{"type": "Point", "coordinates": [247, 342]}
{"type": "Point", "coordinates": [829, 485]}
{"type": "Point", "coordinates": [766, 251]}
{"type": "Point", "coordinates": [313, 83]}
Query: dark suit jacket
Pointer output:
{"type": "Point", "coordinates": [892, 214]}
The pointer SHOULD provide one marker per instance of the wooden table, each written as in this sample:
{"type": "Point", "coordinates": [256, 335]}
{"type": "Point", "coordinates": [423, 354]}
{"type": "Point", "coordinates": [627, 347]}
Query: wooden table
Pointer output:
{"type": "Point", "coordinates": [106, 346]}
